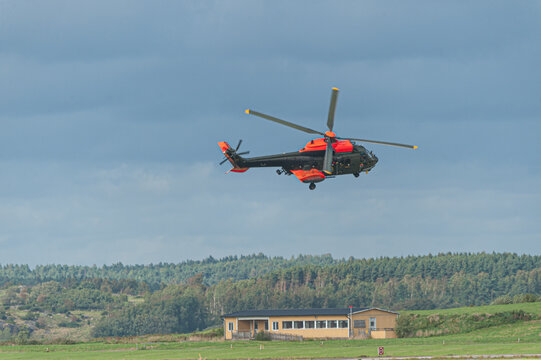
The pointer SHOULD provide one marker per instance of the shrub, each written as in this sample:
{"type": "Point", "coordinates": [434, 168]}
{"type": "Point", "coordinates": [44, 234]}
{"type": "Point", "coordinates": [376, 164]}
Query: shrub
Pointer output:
{"type": "Point", "coordinates": [262, 336]}
{"type": "Point", "coordinates": [502, 300]}
{"type": "Point", "coordinates": [525, 298]}
{"type": "Point", "coordinates": [405, 326]}
{"type": "Point", "coordinates": [517, 299]}
{"type": "Point", "coordinates": [30, 316]}
{"type": "Point", "coordinates": [69, 324]}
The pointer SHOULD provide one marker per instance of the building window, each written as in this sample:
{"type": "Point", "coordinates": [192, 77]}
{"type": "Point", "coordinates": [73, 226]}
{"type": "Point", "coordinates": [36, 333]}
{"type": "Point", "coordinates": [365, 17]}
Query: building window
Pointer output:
{"type": "Point", "coordinates": [267, 325]}
{"type": "Point", "coordinates": [372, 323]}
{"type": "Point", "coordinates": [275, 325]}
{"type": "Point", "coordinates": [309, 324]}
{"type": "Point", "coordinates": [343, 324]}
{"type": "Point", "coordinates": [298, 324]}
{"type": "Point", "coordinates": [321, 324]}
{"type": "Point", "coordinates": [256, 325]}
{"type": "Point", "coordinates": [230, 326]}
{"type": "Point", "coordinates": [331, 324]}
{"type": "Point", "coordinates": [359, 324]}
{"type": "Point", "coordinates": [287, 325]}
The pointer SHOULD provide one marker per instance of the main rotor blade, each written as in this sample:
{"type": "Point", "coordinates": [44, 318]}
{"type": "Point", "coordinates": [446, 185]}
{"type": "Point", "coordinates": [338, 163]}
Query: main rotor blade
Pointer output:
{"type": "Point", "coordinates": [327, 160]}
{"type": "Point", "coordinates": [238, 146]}
{"type": "Point", "coordinates": [283, 122]}
{"type": "Point", "coordinates": [224, 160]}
{"type": "Point", "coordinates": [332, 108]}
{"type": "Point", "coordinates": [380, 142]}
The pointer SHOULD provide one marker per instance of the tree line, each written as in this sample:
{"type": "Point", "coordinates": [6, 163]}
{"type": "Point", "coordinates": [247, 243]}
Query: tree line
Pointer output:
{"type": "Point", "coordinates": [156, 275]}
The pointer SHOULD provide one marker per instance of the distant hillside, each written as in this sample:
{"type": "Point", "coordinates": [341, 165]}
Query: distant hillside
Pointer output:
{"type": "Point", "coordinates": [126, 300]}
{"type": "Point", "coordinates": [514, 317]}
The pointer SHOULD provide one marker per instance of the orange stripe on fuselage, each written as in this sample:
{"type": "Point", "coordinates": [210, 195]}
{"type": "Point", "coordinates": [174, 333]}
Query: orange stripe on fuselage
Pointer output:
{"type": "Point", "coordinates": [321, 145]}
{"type": "Point", "coordinates": [309, 176]}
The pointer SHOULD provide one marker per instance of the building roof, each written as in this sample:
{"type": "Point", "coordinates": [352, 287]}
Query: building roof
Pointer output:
{"type": "Point", "coordinates": [295, 312]}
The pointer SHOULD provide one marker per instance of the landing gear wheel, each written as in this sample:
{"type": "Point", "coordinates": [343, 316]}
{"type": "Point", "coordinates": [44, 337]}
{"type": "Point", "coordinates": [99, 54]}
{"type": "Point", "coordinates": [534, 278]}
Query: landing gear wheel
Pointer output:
{"type": "Point", "coordinates": [356, 174]}
{"type": "Point", "coordinates": [312, 186]}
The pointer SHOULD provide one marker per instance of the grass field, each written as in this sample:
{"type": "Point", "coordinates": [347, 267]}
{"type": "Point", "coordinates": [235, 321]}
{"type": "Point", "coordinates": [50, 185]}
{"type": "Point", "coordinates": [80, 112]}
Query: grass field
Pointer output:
{"type": "Point", "coordinates": [251, 350]}
{"type": "Point", "coordinates": [500, 340]}
{"type": "Point", "coordinates": [522, 337]}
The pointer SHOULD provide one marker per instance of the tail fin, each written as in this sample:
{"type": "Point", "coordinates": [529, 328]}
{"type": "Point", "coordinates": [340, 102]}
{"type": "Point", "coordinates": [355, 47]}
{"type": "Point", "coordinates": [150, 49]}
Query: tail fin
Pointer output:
{"type": "Point", "coordinates": [232, 156]}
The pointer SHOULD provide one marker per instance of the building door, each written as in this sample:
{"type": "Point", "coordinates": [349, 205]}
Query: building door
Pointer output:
{"type": "Point", "coordinates": [372, 323]}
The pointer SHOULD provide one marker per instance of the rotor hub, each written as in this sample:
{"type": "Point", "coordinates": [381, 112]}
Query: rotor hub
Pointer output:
{"type": "Point", "coordinates": [330, 134]}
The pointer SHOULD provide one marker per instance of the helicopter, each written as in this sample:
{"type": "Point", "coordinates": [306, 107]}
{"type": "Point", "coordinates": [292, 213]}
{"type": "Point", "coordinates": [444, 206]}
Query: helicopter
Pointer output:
{"type": "Point", "coordinates": [319, 159]}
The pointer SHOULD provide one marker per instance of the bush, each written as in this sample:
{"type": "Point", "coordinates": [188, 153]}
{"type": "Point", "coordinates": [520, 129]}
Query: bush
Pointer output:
{"type": "Point", "coordinates": [517, 299]}
{"type": "Point", "coordinates": [525, 298]}
{"type": "Point", "coordinates": [30, 316]}
{"type": "Point", "coordinates": [262, 336]}
{"type": "Point", "coordinates": [502, 300]}
{"type": "Point", "coordinates": [219, 332]}
{"type": "Point", "coordinates": [405, 326]}
{"type": "Point", "coordinates": [22, 336]}
{"type": "Point", "coordinates": [69, 324]}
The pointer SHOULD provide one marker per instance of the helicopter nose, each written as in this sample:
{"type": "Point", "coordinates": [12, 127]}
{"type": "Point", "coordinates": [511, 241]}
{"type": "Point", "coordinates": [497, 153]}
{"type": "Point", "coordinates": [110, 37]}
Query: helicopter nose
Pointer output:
{"type": "Point", "coordinates": [373, 157]}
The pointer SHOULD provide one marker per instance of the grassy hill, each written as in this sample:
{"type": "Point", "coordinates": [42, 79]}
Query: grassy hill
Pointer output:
{"type": "Point", "coordinates": [511, 320]}
{"type": "Point", "coordinates": [534, 308]}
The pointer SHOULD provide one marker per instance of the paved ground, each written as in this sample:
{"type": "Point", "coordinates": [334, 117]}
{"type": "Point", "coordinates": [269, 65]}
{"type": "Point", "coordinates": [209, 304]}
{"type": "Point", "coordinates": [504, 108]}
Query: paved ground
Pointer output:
{"type": "Point", "coordinates": [500, 356]}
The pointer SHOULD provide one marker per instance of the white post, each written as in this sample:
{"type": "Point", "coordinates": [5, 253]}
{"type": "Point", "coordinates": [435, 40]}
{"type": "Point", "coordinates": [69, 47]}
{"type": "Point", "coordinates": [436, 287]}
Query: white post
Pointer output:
{"type": "Point", "coordinates": [350, 321]}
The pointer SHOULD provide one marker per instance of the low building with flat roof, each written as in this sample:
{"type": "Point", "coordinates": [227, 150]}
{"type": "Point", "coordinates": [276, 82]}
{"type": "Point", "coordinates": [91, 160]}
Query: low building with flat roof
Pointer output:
{"type": "Point", "coordinates": [289, 324]}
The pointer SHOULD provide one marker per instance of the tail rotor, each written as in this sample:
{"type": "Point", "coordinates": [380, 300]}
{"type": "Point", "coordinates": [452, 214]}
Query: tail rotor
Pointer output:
{"type": "Point", "coordinates": [237, 149]}
{"type": "Point", "coordinates": [233, 156]}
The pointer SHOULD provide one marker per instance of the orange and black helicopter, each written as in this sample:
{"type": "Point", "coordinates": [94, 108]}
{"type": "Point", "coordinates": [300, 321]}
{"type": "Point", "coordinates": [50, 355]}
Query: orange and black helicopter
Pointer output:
{"type": "Point", "coordinates": [320, 159]}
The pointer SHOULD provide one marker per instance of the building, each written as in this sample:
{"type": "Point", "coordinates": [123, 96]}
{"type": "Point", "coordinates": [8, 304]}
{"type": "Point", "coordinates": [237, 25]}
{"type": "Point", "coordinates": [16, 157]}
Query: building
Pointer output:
{"type": "Point", "coordinates": [341, 323]}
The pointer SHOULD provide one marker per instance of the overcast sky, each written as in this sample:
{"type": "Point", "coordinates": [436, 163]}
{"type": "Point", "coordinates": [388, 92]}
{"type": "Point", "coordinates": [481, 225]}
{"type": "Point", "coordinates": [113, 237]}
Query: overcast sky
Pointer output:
{"type": "Point", "coordinates": [110, 114]}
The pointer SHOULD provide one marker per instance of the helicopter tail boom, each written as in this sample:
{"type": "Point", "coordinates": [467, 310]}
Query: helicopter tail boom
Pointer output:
{"type": "Point", "coordinates": [232, 156]}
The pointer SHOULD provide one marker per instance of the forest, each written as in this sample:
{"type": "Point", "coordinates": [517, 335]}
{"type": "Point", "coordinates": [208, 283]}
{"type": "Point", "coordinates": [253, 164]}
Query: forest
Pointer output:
{"type": "Point", "coordinates": [155, 275]}
{"type": "Point", "coordinates": [193, 295]}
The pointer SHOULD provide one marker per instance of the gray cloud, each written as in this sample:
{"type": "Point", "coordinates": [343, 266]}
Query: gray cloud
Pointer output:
{"type": "Point", "coordinates": [110, 113]}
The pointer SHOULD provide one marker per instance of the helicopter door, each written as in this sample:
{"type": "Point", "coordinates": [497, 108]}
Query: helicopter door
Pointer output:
{"type": "Point", "coordinates": [356, 163]}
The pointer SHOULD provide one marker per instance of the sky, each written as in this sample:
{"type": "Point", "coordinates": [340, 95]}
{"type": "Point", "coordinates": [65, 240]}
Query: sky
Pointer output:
{"type": "Point", "coordinates": [111, 111]}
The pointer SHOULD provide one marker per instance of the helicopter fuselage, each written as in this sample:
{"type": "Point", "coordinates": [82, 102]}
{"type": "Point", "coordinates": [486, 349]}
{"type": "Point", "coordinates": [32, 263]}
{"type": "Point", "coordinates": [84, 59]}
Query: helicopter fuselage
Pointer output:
{"type": "Point", "coordinates": [348, 158]}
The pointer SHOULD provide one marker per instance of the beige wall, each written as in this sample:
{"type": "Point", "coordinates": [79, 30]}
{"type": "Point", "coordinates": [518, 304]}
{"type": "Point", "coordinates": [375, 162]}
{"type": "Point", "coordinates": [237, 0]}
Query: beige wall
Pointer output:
{"type": "Point", "coordinates": [227, 333]}
{"type": "Point", "coordinates": [383, 334]}
{"type": "Point", "coordinates": [384, 320]}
